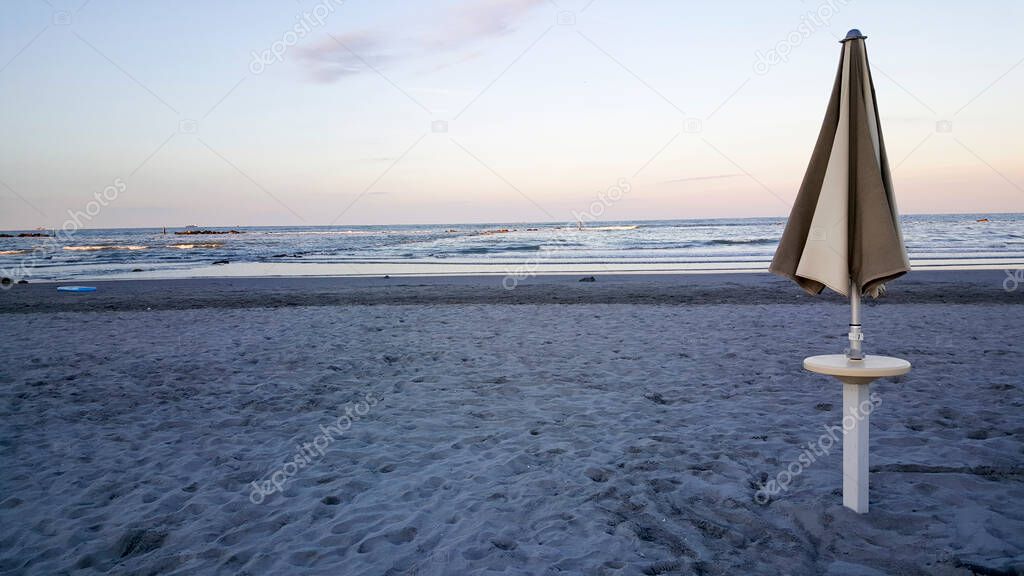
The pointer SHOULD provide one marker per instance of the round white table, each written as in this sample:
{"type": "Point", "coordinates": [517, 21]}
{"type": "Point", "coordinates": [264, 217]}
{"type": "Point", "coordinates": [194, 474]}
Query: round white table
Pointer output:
{"type": "Point", "coordinates": [856, 375]}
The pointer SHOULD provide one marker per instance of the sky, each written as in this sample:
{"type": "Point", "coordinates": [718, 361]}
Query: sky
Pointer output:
{"type": "Point", "coordinates": [305, 112]}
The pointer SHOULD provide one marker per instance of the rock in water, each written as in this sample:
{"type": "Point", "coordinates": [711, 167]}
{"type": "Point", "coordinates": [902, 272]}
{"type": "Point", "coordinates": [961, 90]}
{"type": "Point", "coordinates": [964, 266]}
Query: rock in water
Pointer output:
{"type": "Point", "coordinates": [194, 232]}
{"type": "Point", "coordinates": [588, 279]}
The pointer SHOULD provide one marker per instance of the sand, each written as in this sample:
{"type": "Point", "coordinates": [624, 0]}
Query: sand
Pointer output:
{"type": "Point", "coordinates": [447, 426]}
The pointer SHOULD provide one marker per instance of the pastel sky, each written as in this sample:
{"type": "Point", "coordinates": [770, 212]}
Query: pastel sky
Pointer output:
{"type": "Point", "coordinates": [369, 112]}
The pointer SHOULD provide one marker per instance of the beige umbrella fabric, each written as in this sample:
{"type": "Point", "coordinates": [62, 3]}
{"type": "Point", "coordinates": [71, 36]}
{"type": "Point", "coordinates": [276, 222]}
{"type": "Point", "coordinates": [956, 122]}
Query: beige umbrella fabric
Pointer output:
{"type": "Point", "coordinates": [844, 226]}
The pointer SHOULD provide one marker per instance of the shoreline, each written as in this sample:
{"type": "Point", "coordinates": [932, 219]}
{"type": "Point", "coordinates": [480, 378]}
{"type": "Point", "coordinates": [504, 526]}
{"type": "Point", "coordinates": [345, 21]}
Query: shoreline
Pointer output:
{"type": "Point", "coordinates": [517, 268]}
{"type": "Point", "coordinates": [917, 287]}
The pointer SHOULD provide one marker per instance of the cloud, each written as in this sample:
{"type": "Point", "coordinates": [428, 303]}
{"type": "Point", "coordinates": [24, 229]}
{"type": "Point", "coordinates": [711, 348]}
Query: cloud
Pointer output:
{"type": "Point", "coordinates": [343, 55]}
{"type": "Point", "coordinates": [482, 19]}
{"type": "Point", "coordinates": [468, 57]}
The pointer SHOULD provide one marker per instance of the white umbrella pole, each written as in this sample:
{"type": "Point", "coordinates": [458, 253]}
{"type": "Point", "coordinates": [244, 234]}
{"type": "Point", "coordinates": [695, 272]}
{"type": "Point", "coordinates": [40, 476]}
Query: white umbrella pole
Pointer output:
{"type": "Point", "coordinates": [856, 372]}
{"type": "Point", "coordinates": [855, 352]}
{"type": "Point", "coordinates": [855, 443]}
{"type": "Point", "coordinates": [855, 437]}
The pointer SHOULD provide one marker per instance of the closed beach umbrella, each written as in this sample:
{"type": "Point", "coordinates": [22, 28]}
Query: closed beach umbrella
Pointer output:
{"type": "Point", "coordinates": [843, 232]}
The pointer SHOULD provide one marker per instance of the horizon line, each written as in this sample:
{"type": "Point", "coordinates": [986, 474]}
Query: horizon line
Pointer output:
{"type": "Point", "coordinates": [488, 223]}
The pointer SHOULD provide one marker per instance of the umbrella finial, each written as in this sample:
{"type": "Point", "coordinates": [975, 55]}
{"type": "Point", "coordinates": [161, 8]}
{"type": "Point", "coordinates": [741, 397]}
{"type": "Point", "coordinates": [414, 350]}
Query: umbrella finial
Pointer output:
{"type": "Point", "coordinates": [853, 34]}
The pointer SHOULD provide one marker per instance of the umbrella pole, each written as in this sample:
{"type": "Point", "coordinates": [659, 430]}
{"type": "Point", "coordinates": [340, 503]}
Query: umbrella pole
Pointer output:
{"type": "Point", "coordinates": [855, 437]}
{"type": "Point", "coordinates": [855, 351]}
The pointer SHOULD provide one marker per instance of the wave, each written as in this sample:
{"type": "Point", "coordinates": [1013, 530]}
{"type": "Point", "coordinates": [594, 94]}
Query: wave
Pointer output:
{"type": "Point", "coordinates": [511, 248]}
{"type": "Point", "coordinates": [323, 232]}
{"type": "Point", "coordinates": [12, 252]}
{"type": "Point", "coordinates": [104, 247]}
{"type": "Point", "coordinates": [200, 245]}
{"type": "Point", "coordinates": [733, 242]}
{"type": "Point", "coordinates": [612, 228]}
{"type": "Point", "coordinates": [599, 228]}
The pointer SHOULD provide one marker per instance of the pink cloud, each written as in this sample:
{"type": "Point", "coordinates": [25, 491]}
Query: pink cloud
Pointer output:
{"type": "Point", "coordinates": [342, 55]}
{"type": "Point", "coordinates": [478, 20]}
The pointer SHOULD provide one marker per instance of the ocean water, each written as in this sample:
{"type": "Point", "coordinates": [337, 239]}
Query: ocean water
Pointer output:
{"type": "Point", "coordinates": [933, 241]}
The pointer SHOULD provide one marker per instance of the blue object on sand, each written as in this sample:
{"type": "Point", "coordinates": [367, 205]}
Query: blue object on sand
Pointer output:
{"type": "Point", "coordinates": [76, 289]}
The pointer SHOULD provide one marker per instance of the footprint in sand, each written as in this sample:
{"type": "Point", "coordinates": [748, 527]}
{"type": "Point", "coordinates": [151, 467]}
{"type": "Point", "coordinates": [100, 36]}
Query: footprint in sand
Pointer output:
{"type": "Point", "coordinates": [403, 536]}
{"type": "Point", "coordinates": [140, 541]}
{"type": "Point", "coordinates": [504, 543]}
{"type": "Point", "coordinates": [303, 558]}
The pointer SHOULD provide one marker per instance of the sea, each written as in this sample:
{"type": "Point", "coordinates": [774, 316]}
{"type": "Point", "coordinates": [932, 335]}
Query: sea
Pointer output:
{"type": "Point", "coordinates": [517, 250]}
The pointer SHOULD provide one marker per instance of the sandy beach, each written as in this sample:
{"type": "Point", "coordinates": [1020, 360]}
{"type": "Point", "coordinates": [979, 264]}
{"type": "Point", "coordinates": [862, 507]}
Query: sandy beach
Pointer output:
{"type": "Point", "coordinates": [448, 426]}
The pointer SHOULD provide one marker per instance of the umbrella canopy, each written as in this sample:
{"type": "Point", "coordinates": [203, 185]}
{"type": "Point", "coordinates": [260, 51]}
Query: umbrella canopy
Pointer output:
{"type": "Point", "coordinates": [844, 228]}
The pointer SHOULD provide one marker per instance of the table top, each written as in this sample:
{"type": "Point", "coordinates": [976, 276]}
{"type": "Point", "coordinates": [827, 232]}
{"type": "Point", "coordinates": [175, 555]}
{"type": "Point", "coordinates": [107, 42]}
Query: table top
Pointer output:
{"type": "Point", "coordinates": [871, 366]}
